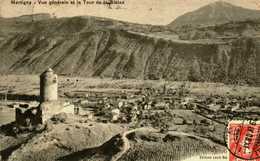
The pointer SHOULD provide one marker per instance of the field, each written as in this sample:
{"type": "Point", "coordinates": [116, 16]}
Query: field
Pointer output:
{"type": "Point", "coordinates": [29, 84]}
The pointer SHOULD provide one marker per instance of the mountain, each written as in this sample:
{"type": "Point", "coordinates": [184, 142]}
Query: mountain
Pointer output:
{"type": "Point", "coordinates": [215, 13]}
{"type": "Point", "coordinates": [98, 47]}
{"type": "Point", "coordinates": [231, 30]}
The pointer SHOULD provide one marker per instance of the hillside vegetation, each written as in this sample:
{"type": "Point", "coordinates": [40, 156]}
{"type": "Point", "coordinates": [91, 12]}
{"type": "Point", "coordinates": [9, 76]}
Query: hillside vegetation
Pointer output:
{"type": "Point", "coordinates": [98, 47]}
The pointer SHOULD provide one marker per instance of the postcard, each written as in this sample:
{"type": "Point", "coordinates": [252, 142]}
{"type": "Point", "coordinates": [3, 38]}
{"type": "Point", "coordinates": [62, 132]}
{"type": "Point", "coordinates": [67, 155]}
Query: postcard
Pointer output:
{"type": "Point", "coordinates": [129, 80]}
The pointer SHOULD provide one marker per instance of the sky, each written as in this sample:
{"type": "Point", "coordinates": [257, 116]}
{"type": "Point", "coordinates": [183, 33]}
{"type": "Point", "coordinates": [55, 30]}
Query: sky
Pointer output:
{"type": "Point", "coordinates": [156, 12]}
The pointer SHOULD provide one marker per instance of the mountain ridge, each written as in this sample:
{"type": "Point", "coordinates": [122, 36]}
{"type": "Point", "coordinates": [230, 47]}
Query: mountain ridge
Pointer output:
{"type": "Point", "coordinates": [216, 13]}
{"type": "Point", "coordinates": [100, 47]}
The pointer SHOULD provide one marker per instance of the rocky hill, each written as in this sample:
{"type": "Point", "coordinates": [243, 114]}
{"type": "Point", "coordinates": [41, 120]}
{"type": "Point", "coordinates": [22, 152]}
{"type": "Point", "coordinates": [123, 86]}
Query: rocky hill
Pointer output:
{"type": "Point", "coordinates": [98, 47]}
{"type": "Point", "coordinates": [216, 13]}
{"type": "Point", "coordinates": [71, 138]}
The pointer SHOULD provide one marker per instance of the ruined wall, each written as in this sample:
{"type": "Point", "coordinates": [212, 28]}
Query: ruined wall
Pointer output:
{"type": "Point", "coordinates": [49, 109]}
{"type": "Point", "coordinates": [28, 116]}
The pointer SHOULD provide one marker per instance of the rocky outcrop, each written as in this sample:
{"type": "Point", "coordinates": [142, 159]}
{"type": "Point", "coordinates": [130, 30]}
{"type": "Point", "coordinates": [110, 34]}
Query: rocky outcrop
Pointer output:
{"type": "Point", "coordinates": [62, 136]}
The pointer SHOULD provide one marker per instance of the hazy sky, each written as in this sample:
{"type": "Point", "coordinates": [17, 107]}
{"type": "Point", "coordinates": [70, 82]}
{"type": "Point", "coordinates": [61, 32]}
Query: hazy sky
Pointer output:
{"type": "Point", "coordinates": [158, 12]}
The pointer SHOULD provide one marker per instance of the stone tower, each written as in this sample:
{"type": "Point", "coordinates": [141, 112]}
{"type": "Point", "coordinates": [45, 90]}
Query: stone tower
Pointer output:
{"type": "Point", "coordinates": [49, 104]}
{"type": "Point", "coordinates": [48, 86]}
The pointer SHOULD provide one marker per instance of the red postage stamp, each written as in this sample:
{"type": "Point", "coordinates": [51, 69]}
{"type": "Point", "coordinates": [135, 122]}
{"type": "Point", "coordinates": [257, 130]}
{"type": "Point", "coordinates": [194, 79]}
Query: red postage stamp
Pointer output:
{"type": "Point", "coordinates": [244, 140]}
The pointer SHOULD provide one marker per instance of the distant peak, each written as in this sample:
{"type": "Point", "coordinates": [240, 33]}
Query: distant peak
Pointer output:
{"type": "Point", "coordinates": [218, 12]}
{"type": "Point", "coordinates": [221, 3]}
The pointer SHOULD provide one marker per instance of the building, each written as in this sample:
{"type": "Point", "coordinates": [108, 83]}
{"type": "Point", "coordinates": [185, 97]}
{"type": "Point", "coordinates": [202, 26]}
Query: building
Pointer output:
{"type": "Point", "coordinates": [49, 103]}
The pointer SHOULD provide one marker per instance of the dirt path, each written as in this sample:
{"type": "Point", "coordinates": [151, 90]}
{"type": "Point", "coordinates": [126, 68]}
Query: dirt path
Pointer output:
{"type": "Point", "coordinates": [126, 144]}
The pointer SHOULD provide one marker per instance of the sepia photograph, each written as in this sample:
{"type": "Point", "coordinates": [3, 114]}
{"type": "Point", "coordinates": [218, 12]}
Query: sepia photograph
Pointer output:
{"type": "Point", "coordinates": [129, 80]}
